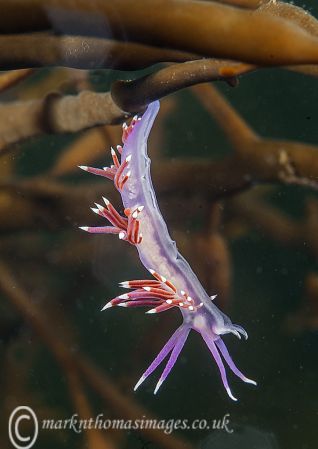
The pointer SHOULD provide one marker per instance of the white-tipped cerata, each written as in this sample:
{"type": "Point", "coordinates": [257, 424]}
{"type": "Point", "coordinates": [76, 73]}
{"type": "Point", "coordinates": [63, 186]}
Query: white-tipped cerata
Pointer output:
{"type": "Point", "coordinates": [101, 208]}
{"type": "Point", "coordinates": [151, 311]}
{"type": "Point", "coordinates": [83, 167]}
{"type": "Point", "coordinates": [106, 201]}
{"type": "Point", "coordinates": [124, 296]}
{"type": "Point", "coordinates": [124, 284]}
{"type": "Point", "coordinates": [107, 306]}
{"type": "Point", "coordinates": [84, 228]}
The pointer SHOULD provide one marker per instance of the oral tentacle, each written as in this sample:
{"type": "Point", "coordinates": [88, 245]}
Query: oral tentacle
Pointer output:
{"type": "Point", "coordinates": [214, 351]}
{"type": "Point", "coordinates": [173, 357]}
{"type": "Point", "coordinates": [225, 354]}
{"type": "Point", "coordinates": [160, 357]}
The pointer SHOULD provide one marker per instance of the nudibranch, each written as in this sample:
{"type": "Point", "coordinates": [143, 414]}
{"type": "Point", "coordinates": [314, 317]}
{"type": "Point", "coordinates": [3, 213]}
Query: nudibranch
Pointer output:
{"type": "Point", "coordinates": [173, 283]}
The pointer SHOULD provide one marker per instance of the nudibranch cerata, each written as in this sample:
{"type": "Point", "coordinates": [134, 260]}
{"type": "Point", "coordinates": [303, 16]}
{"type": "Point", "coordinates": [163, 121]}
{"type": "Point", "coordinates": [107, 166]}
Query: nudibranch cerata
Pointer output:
{"type": "Point", "coordinates": [173, 283]}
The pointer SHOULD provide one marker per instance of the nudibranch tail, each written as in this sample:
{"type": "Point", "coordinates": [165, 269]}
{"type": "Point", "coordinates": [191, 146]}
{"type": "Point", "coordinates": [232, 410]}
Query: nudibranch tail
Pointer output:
{"type": "Point", "coordinates": [174, 284]}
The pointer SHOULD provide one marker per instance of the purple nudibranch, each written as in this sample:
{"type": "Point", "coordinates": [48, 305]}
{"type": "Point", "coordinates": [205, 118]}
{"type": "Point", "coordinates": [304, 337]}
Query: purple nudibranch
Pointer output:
{"type": "Point", "coordinates": [173, 283]}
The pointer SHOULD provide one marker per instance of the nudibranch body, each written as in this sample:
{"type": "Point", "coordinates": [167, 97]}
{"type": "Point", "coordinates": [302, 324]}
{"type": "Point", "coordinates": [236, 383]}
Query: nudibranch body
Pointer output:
{"type": "Point", "coordinates": [173, 282]}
